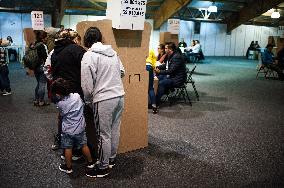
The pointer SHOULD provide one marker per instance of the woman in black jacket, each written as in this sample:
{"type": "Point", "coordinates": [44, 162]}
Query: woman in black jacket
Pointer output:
{"type": "Point", "coordinates": [38, 70]}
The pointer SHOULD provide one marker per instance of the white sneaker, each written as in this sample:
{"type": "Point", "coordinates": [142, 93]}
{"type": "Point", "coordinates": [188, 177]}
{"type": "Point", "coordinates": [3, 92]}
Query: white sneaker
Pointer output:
{"type": "Point", "coordinates": [5, 93]}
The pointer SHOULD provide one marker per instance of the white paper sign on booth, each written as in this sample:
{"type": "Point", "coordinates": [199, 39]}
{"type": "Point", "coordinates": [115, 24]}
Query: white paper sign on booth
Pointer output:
{"type": "Point", "coordinates": [127, 14]}
{"type": "Point", "coordinates": [173, 26]}
{"type": "Point", "coordinates": [37, 20]}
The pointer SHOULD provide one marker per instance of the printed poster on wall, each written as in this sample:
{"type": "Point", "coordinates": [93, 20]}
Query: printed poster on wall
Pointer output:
{"type": "Point", "coordinates": [173, 26]}
{"type": "Point", "coordinates": [37, 20]}
{"type": "Point", "coordinates": [129, 15]}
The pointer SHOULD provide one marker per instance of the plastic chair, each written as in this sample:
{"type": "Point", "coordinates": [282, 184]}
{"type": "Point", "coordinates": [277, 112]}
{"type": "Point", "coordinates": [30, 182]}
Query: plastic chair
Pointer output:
{"type": "Point", "coordinates": [191, 81]}
{"type": "Point", "coordinates": [263, 69]}
{"type": "Point", "coordinates": [181, 91]}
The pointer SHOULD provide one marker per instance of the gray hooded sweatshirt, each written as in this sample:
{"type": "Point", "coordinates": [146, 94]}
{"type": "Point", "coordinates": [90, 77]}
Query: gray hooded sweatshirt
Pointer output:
{"type": "Point", "coordinates": [101, 72]}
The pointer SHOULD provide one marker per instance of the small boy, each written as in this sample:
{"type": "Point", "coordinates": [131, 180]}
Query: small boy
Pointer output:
{"type": "Point", "coordinates": [70, 107]}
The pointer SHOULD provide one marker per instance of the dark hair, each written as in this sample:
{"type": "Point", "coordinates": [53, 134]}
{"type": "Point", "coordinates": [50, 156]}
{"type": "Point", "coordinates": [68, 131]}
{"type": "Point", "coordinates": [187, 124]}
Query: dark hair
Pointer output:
{"type": "Point", "coordinates": [269, 45]}
{"type": "Point", "coordinates": [60, 86]}
{"type": "Point", "coordinates": [92, 35]}
{"type": "Point", "coordinates": [171, 46]}
{"type": "Point", "coordinates": [9, 38]}
{"type": "Point", "coordinates": [162, 46]}
{"type": "Point", "coordinates": [40, 35]}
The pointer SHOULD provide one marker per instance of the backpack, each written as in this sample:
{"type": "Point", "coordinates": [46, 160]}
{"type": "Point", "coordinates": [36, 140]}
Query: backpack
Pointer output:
{"type": "Point", "coordinates": [31, 58]}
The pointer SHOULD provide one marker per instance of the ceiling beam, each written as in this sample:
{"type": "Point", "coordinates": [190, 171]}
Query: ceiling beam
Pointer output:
{"type": "Point", "coordinates": [249, 12]}
{"type": "Point", "coordinates": [102, 1]}
{"type": "Point", "coordinates": [58, 12]}
{"type": "Point", "coordinates": [83, 8]}
{"type": "Point", "coordinates": [226, 1]}
{"type": "Point", "coordinates": [97, 5]}
{"type": "Point", "coordinates": [153, 3]}
{"type": "Point", "coordinates": [168, 9]}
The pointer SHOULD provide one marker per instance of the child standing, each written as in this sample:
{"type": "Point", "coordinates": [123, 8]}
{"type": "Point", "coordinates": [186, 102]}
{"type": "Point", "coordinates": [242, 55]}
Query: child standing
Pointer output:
{"type": "Point", "coordinates": [70, 107]}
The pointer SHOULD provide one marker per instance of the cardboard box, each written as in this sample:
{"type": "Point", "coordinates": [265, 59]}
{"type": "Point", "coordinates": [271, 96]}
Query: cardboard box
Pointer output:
{"type": "Point", "coordinates": [29, 36]}
{"type": "Point", "coordinates": [132, 47]}
{"type": "Point", "coordinates": [168, 37]}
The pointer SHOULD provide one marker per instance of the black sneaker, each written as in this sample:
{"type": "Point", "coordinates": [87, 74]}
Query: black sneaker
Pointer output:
{"type": "Point", "coordinates": [155, 110]}
{"type": "Point", "coordinates": [98, 173]}
{"type": "Point", "coordinates": [56, 144]}
{"type": "Point", "coordinates": [64, 168]}
{"type": "Point", "coordinates": [111, 163]}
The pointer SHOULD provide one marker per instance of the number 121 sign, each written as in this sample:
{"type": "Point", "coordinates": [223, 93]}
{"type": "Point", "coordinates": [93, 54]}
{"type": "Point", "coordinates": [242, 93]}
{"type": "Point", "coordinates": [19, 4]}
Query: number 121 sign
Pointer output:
{"type": "Point", "coordinates": [37, 20]}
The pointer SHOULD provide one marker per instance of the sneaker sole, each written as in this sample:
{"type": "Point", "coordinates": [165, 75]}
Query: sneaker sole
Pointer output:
{"type": "Point", "coordinates": [66, 171]}
{"type": "Point", "coordinates": [91, 176]}
{"type": "Point", "coordinates": [97, 176]}
{"type": "Point", "coordinates": [101, 176]}
{"type": "Point", "coordinates": [6, 94]}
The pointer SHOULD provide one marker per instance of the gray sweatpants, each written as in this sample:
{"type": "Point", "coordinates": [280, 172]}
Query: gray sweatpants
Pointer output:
{"type": "Point", "coordinates": [107, 117]}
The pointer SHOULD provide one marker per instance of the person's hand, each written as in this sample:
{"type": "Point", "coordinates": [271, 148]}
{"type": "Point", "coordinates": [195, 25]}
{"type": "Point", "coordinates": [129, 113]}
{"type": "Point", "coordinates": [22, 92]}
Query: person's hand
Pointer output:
{"type": "Point", "coordinates": [157, 71]}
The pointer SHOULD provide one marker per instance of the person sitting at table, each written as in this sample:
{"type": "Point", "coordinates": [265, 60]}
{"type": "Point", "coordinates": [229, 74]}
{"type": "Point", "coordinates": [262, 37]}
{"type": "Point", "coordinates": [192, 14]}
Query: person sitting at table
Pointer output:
{"type": "Point", "coordinates": [189, 49]}
{"type": "Point", "coordinates": [194, 51]}
{"type": "Point", "coordinates": [268, 61]}
{"type": "Point", "coordinates": [256, 45]}
{"type": "Point", "coordinates": [182, 45]}
{"type": "Point", "coordinates": [250, 48]}
{"type": "Point", "coordinates": [176, 72]}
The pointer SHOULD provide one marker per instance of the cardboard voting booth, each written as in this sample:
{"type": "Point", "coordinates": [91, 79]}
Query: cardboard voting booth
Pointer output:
{"type": "Point", "coordinates": [132, 48]}
{"type": "Point", "coordinates": [168, 37]}
{"type": "Point", "coordinates": [29, 36]}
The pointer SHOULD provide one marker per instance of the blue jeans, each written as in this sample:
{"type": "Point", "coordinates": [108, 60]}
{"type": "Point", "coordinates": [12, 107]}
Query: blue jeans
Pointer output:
{"type": "Point", "coordinates": [164, 85]}
{"type": "Point", "coordinates": [4, 78]}
{"type": "Point", "coordinates": [40, 87]}
{"type": "Point", "coordinates": [73, 141]}
{"type": "Point", "coordinates": [151, 93]}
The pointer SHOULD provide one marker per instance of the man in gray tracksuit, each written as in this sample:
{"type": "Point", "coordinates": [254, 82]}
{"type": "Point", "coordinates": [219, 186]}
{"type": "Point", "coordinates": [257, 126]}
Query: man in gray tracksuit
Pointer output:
{"type": "Point", "coordinates": [101, 72]}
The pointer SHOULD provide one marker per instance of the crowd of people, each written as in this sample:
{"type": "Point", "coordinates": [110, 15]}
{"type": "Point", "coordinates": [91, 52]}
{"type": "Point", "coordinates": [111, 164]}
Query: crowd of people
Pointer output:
{"type": "Point", "coordinates": [85, 95]}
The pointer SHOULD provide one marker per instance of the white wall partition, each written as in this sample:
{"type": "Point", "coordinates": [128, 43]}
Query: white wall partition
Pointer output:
{"type": "Point", "coordinates": [216, 42]}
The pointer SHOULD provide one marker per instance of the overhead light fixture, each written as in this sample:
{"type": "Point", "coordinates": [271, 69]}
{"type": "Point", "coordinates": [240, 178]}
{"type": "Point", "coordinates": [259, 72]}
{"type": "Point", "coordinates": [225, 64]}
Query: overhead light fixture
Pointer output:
{"type": "Point", "coordinates": [212, 8]}
{"type": "Point", "coordinates": [275, 14]}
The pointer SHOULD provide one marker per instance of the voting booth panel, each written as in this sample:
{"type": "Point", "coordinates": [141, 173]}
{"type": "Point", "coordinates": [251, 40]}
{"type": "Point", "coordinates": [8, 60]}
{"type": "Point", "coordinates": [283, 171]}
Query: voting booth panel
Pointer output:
{"type": "Point", "coordinates": [29, 36]}
{"type": "Point", "coordinates": [132, 47]}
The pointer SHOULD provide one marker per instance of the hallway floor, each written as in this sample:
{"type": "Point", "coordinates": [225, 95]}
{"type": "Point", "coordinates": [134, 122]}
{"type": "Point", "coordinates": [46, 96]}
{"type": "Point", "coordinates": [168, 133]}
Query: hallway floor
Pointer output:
{"type": "Point", "coordinates": [232, 137]}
